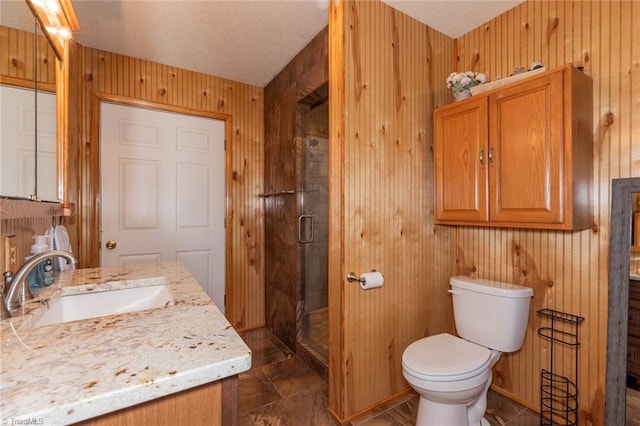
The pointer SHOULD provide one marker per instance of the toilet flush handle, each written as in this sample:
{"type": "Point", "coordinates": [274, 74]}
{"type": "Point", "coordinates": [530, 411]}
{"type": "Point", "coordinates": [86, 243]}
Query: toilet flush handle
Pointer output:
{"type": "Point", "coordinates": [454, 292]}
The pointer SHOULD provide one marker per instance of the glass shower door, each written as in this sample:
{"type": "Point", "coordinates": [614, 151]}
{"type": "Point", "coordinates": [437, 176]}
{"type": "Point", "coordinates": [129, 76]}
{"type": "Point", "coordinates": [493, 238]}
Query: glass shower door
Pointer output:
{"type": "Point", "coordinates": [313, 241]}
{"type": "Point", "coordinates": [313, 232]}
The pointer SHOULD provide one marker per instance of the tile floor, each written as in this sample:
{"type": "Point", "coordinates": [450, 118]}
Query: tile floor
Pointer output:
{"type": "Point", "coordinates": [280, 390]}
{"type": "Point", "coordinates": [633, 407]}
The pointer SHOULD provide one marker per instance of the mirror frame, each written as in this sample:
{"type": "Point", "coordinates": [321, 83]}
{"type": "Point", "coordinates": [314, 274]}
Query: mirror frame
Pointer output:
{"type": "Point", "coordinates": [62, 128]}
{"type": "Point", "coordinates": [618, 304]}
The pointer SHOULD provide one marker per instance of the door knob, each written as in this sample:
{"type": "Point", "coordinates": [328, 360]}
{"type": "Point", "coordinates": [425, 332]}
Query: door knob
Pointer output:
{"type": "Point", "coordinates": [111, 244]}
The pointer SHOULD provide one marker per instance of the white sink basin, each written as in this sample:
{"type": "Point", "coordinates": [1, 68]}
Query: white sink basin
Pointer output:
{"type": "Point", "coordinates": [74, 307]}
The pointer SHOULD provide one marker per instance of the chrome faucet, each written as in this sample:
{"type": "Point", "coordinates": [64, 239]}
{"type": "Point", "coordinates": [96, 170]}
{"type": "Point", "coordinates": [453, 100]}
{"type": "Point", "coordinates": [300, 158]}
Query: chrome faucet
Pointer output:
{"type": "Point", "coordinates": [17, 287]}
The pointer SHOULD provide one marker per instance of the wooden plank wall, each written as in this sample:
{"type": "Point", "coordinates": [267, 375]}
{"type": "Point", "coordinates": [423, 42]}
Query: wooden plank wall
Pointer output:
{"type": "Point", "coordinates": [568, 271]}
{"type": "Point", "coordinates": [16, 68]}
{"type": "Point", "coordinates": [385, 71]}
{"type": "Point", "coordinates": [17, 59]}
{"type": "Point", "coordinates": [142, 80]}
{"type": "Point", "coordinates": [23, 229]}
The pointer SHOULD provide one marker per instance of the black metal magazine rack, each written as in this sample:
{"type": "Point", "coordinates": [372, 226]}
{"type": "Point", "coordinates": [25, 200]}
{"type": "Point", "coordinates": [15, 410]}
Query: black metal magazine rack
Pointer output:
{"type": "Point", "coordinates": [559, 393]}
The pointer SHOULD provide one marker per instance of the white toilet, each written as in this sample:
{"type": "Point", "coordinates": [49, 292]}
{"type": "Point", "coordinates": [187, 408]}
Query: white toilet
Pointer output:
{"type": "Point", "coordinates": [452, 374]}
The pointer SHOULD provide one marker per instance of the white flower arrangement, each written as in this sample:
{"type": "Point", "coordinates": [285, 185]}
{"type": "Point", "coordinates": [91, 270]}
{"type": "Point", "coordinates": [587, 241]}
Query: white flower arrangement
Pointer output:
{"type": "Point", "coordinates": [461, 81]}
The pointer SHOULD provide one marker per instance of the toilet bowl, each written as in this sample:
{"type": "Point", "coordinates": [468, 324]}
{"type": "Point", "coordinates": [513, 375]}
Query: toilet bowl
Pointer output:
{"type": "Point", "coordinates": [453, 374]}
{"type": "Point", "coordinates": [450, 374]}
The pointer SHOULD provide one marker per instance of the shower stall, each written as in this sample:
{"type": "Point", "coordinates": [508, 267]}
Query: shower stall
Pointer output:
{"type": "Point", "coordinates": [296, 231]}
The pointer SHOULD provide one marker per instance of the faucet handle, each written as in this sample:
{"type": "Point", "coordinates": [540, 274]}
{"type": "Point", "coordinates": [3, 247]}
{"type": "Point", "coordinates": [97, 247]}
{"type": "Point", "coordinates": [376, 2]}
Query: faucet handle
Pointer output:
{"type": "Point", "coordinates": [24, 292]}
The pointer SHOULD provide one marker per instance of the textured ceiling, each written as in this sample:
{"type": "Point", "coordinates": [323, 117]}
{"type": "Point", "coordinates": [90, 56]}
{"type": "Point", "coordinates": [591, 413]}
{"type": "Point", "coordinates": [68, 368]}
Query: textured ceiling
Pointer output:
{"type": "Point", "coordinates": [246, 41]}
{"type": "Point", "coordinates": [249, 41]}
{"type": "Point", "coordinates": [453, 17]}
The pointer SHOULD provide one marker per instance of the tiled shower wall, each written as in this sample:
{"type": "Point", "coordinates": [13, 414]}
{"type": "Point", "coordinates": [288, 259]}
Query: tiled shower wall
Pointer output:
{"type": "Point", "coordinates": [283, 272]}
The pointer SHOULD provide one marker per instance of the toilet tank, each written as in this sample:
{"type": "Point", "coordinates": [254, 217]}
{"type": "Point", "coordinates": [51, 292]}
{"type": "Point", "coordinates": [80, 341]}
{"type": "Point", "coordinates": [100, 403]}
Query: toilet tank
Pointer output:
{"type": "Point", "coordinates": [490, 313]}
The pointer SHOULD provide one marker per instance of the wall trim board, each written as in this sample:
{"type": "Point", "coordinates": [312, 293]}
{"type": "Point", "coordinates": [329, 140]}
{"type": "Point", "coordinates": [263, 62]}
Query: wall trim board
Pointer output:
{"type": "Point", "coordinates": [336, 206]}
{"type": "Point", "coordinates": [124, 100]}
{"type": "Point", "coordinates": [27, 84]}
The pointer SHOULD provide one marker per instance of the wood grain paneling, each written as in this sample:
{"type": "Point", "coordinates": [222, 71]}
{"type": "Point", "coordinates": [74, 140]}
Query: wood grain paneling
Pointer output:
{"type": "Point", "coordinates": [387, 74]}
{"type": "Point", "coordinates": [214, 404]}
{"type": "Point", "coordinates": [568, 271]}
{"type": "Point", "coordinates": [23, 229]}
{"type": "Point", "coordinates": [17, 60]}
{"type": "Point", "coordinates": [384, 67]}
{"type": "Point", "coordinates": [336, 204]}
{"type": "Point", "coordinates": [181, 90]}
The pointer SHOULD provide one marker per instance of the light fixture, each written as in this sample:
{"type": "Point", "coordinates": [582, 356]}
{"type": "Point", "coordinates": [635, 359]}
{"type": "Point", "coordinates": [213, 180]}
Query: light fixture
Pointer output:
{"type": "Point", "coordinates": [57, 19]}
{"type": "Point", "coordinates": [62, 32]}
{"type": "Point", "coordinates": [49, 6]}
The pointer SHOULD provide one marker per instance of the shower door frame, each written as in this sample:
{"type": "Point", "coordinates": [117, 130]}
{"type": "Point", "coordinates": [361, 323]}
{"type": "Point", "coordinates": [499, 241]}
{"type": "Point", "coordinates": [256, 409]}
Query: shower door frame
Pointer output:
{"type": "Point", "coordinates": [315, 357]}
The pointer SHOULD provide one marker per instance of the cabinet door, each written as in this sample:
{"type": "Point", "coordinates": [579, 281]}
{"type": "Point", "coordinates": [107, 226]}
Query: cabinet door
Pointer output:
{"type": "Point", "coordinates": [526, 152]}
{"type": "Point", "coordinates": [460, 155]}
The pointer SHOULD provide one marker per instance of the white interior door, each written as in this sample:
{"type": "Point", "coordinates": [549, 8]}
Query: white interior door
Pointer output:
{"type": "Point", "coordinates": [17, 143]}
{"type": "Point", "coordinates": [163, 191]}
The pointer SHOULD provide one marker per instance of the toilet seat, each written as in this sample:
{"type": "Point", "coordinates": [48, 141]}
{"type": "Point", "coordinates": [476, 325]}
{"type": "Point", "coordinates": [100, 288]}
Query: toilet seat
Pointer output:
{"type": "Point", "coordinates": [445, 358]}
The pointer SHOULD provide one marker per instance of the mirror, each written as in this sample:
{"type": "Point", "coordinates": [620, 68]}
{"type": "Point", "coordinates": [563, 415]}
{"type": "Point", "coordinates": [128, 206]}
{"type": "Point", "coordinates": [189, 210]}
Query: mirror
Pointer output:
{"type": "Point", "coordinates": [623, 194]}
{"type": "Point", "coordinates": [633, 329]}
{"type": "Point", "coordinates": [635, 237]}
{"type": "Point", "coordinates": [28, 146]}
{"type": "Point", "coordinates": [635, 224]}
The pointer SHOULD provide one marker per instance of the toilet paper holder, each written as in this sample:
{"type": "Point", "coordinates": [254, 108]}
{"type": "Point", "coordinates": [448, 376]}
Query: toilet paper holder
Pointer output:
{"type": "Point", "coordinates": [353, 278]}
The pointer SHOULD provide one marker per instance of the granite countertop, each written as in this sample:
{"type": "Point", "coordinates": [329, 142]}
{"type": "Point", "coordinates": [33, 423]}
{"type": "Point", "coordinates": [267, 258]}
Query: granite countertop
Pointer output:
{"type": "Point", "coordinates": [68, 372]}
{"type": "Point", "coordinates": [634, 276]}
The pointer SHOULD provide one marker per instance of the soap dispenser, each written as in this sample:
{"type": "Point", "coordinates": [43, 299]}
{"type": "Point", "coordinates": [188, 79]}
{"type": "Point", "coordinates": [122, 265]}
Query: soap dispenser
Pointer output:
{"type": "Point", "coordinates": [42, 274]}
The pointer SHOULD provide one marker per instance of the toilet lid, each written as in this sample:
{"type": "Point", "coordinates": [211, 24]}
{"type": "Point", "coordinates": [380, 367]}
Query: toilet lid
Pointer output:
{"type": "Point", "coordinates": [445, 356]}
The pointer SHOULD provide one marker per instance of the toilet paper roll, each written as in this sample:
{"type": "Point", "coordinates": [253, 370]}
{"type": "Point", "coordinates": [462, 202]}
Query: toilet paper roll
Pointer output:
{"type": "Point", "coordinates": [371, 279]}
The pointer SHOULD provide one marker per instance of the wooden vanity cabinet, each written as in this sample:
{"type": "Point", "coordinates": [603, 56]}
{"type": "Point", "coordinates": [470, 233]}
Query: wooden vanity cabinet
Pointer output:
{"type": "Point", "coordinates": [518, 156]}
{"type": "Point", "coordinates": [213, 404]}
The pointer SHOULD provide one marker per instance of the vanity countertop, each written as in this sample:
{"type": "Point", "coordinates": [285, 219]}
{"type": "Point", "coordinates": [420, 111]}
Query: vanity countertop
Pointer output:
{"type": "Point", "coordinates": [68, 372]}
{"type": "Point", "coordinates": [634, 276]}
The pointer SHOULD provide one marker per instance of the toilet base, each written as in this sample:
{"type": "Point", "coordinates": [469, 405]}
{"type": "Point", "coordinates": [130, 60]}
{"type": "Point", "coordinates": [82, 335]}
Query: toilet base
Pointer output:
{"type": "Point", "coordinates": [435, 414]}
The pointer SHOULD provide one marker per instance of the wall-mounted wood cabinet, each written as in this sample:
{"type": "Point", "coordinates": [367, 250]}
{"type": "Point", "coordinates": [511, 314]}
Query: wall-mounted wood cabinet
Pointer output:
{"type": "Point", "coordinates": [518, 156]}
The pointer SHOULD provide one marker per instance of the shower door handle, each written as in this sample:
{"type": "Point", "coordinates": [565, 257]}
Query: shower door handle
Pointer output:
{"type": "Point", "coordinates": [301, 220]}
